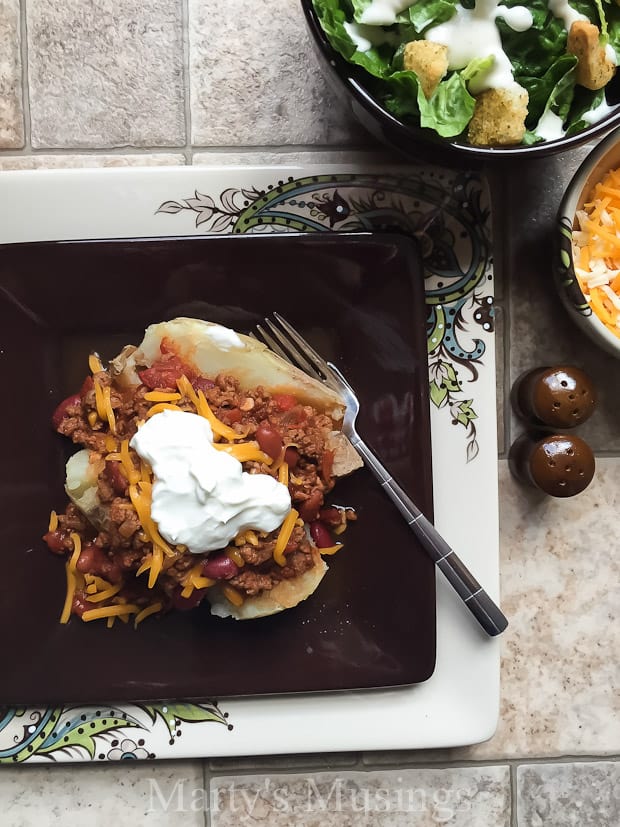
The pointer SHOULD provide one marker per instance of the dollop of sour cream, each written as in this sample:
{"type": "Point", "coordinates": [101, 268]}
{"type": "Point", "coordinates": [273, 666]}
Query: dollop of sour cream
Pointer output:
{"type": "Point", "coordinates": [202, 498]}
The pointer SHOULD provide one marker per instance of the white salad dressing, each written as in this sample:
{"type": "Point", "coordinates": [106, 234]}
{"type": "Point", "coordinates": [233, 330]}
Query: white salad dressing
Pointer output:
{"type": "Point", "coordinates": [565, 12]}
{"type": "Point", "coordinates": [365, 37]}
{"type": "Point", "coordinates": [549, 126]}
{"type": "Point", "coordinates": [201, 496]}
{"type": "Point", "coordinates": [598, 113]}
{"type": "Point", "coordinates": [383, 12]}
{"type": "Point", "coordinates": [472, 33]}
{"type": "Point", "coordinates": [611, 55]}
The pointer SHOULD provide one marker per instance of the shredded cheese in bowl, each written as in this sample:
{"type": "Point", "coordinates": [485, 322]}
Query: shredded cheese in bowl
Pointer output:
{"type": "Point", "coordinates": [596, 250]}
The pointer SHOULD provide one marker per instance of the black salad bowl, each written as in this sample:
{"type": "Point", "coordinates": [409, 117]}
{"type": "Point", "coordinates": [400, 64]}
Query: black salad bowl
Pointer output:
{"type": "Point", "coordinates": [350, 83]}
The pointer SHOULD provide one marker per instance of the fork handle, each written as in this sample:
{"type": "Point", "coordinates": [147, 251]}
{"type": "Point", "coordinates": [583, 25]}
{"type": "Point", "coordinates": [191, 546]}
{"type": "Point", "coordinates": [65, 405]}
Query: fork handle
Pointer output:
{"type": "Point", "coordinates": [486, 612]}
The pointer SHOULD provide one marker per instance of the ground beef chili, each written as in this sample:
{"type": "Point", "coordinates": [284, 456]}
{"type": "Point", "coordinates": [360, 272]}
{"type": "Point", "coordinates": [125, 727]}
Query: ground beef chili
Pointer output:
{"type": "Point", "coordinates": [280, 424]}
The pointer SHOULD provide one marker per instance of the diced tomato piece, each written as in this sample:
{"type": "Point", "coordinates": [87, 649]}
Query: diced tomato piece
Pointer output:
{"type": "Point", "coordinates": [61, 410]}
{"type": "Point", "coordinates": [164, 373]}
{"type": "Point", "coordinates": [285, 401]}
{"type": "Point", "coordinates": [230, 415]}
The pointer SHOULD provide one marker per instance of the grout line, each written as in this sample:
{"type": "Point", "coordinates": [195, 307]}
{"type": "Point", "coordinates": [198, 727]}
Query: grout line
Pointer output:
{"type": "Point", "coordinates": [513, 763]}
{"type": "Point", "coordinates": [186, 80]}
{"type": "Point", "coordinates": [514, 815]}
{"type": "Point", "coordinates": [189, 149]}
{"type": "Point", "coordinates": [206, 792]}
{"type": "Point", "coordinates": [23, 32]}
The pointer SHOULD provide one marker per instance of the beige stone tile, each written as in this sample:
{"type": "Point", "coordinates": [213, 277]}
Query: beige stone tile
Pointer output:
{"type": "Point", "coordinates": [461, 797]}
{"type": "Point", "coordinates": [560, 586]}
{"type": "Point", "coordinates": [84, 161]}
{"type": "Point", "coordinates": [11, 111]}
{"type": "Point", "coordinates": [255, 80]}
{"type": "Point", "coordinates": [541, 331]}
{"type": "Point", "coordinates": [106, 73]}
{"type": "Point", "coordinates": [123, 794]}
{"type": "Point", "coordinates": [559, 795]}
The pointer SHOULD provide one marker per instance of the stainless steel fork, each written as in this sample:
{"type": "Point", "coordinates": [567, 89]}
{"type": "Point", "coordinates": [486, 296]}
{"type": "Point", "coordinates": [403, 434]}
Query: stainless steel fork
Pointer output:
{"type": "Point", "coordinates": [282, 338]}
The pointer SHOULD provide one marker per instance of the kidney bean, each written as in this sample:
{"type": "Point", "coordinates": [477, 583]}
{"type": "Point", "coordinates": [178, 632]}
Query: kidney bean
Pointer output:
{"type": "Point", "coordinates": [117, 479]}
{"type": "Point", "coordinates": [320, 534]}
{"type": "Point", "coordinates": [309, 509]}
{"type": "Point", "coordinates": [61, 410]}
{"type": "Point", "coordinates": [269, 440]}
{"type": "Point", "coordinates": [93, 560]}
{"type": "Point", "coordinates": [184, 604]}
{"type": "Point", "coordinates": [291, 457]}
{"type": "Point", "coordinates": [219, 567]}
{"type": "Point", "coordinates": [331, 516]}
{"type": "Point", "coordinates": [56, 540]}
{"type": "Point", "coordinates": [81, 605]}
{"type": "Point", "coordinates": [202, 384]}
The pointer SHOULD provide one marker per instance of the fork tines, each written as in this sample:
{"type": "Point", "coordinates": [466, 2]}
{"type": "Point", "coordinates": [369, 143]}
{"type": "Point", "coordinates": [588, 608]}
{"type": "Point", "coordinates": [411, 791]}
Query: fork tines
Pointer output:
{"type": "Point", "coordinates": [288, 343]}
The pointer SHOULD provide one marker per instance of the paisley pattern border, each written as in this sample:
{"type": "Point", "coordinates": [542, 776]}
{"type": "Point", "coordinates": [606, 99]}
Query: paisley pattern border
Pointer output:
{"type": "Point", "coordinates": [446, 213]}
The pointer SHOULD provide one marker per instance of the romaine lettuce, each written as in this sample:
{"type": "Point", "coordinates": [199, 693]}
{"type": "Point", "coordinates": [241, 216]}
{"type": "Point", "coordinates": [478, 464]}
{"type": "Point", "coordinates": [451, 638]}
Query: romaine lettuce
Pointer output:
{"type": "Point", "coordinates": [538, 56]}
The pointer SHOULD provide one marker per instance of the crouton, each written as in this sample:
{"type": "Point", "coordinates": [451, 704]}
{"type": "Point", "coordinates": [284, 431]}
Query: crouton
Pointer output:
{"type": "Point", "coordinates": [499, 117]}
{"type": "Point", "coordinates": [429, 61]}
{"type": "Point", "coordinates": [594, 68]}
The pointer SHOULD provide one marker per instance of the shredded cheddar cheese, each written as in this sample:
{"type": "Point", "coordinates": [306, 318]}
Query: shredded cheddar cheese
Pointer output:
{"type": "Point", "coordinates": [217, 426]}
{"type": "Point", "coordinates": [149, 610]}
{"type": "Point", "coordinates": [284, 536]}
{"type": "Point", "coordinates": [110, 611]}
{"type": "Point", "coordinates": [94, 363]}
{"type": "Point", "coordinates": [596, 250]}
{"type": "Point", "coordinates": [162, 396]}
{"type": "Point", "coordinates": [92, 418]}
{"type": "Point", "coordinates": [283, 474]}
{"type": "Point", "coordinates": [106, 594]}
{"type": "Point", "coordinates": [156, 565]}
{"type": "Point", "coordinates": [161, 406]}
{"type": "Point", "coordinates": [236, 557]}
{"type": "Point", "coordinates": [131, 472]}
{"type": "Point", "coordinates": [53, 524]}
{"type": "Point", "coordinates": [244, 451]}
{"type": "Point", "coordinates": [146, 565]}
{"type": "Point", "coordinates": [235, 597]}
{"type": "Point", "coordinates": [331, 549]}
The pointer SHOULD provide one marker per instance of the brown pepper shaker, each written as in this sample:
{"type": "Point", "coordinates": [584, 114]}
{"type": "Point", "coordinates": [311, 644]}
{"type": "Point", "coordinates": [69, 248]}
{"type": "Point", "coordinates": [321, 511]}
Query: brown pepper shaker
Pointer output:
{"type": "Point", "coordinates": [557, 397]}
{"type": "Point", "coordinates": [561, 465]}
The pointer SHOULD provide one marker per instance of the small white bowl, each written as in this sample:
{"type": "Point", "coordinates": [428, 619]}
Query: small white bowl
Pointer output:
{"type": "Point", "coordinates": [602, 159]}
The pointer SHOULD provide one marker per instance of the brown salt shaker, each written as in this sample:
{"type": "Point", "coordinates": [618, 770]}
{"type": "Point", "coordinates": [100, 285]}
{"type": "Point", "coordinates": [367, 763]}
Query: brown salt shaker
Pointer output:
{"type": "Point", "coordinates": [556, 397]}
{"type": "Point", "coordinates": [561, 465]}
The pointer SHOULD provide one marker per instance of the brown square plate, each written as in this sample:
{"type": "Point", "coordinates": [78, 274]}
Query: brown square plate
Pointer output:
{"type": "Point", "coordinates": [360, 300]}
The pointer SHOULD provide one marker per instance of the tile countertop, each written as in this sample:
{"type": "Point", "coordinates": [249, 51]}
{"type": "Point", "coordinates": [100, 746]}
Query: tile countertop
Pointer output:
{"type": "Point", "coordinates": [173, 82]}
